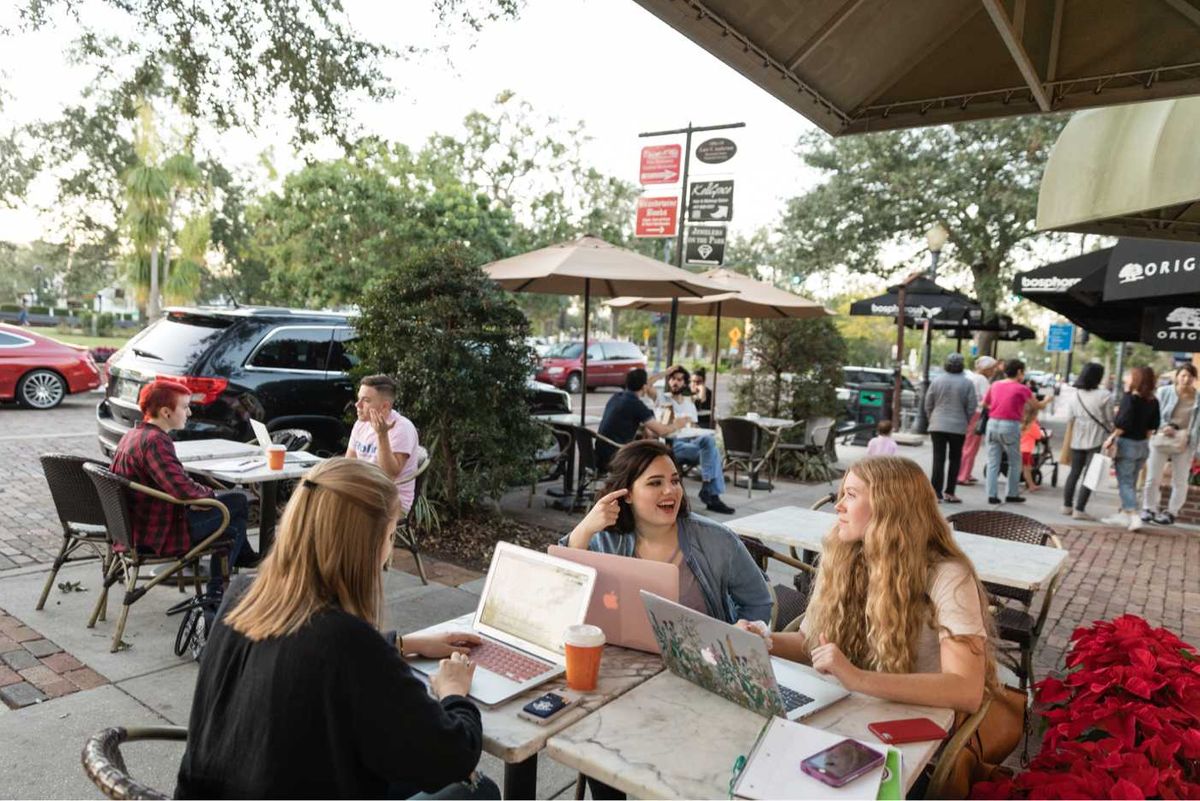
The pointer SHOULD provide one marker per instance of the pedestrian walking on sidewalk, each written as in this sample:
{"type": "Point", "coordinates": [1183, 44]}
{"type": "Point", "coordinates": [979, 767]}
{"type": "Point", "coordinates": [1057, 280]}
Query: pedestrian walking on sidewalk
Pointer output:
{"type": "Point", "coordinates": [1174, 444]}
{"type": "Point", "coordinates": [1137, 419]}
{"type": "Point", "coordinates": [950, 402]}
{"type": "Point", "coordinates": [1005, 403]}
{"type": "Point", "coordinates": [1091, 421]}
{"type": "Point", "coordinates": [981, 378]}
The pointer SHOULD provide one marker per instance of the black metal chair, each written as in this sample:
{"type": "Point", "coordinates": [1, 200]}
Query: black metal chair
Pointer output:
{"type": "Point", "coordinates": [820, 434]}
{"type": "Point", "coordinates": [551, 460]}
{"type": "Point", "coordinates": [79, 512]}
{"type": "Point", "coordinates": [407, 531]}
{"type": "Point", "coordinates": [1012, 607]}
{"type": "Point", "coordinates": [113, 491]}
{"type": "Point", "coordinates": [748, 446]}
{"type": "Point", "coordinates": [592, 467]}
{"type": "Point", "coordinates": [104, 765]}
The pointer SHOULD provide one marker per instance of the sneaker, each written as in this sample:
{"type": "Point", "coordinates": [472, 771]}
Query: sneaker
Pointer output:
{"type": "Point", "coordinates": [994, 501]}
{"type": "Point", "coordinates": [1147, 516]}
{"type": "Point", "coordinates": [1066, 510]}
{"type": "Point", "coordinates": [1014, 499]}
{"type": "Point", "coordinates": [1164, 519]}
{"type": "Point", "coordinates": [1079, 514]}
{"type": "Point", "coordinates": [952, 498]}
{"type": "Point", "coordinates": [1118, 519]}
{"type": "Point", "coordinates": [1135, 523]}
{"type": "Point", "coordinates": [719, 506]}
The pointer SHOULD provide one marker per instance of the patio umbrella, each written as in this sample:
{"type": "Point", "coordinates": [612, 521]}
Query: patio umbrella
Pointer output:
{"type": "Point", "coordinates": [745, 297]}
{"type": "Point", "coordinates": [1001, 326]}
{"type": "Point", "coordinates": [1127, 171]}
{"type": "Point", "coordinates": [854, 66]}
{"type": "Point", "coordinates": [1074, 288]}
{"type": "Point", "coordinates": [590, 265]}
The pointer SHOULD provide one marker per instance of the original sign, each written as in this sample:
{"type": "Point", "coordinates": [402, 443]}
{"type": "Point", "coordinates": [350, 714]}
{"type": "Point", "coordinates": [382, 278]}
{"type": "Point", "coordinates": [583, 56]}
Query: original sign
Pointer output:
{"type": "Point", "coordinates": [657, 216]}
{"type": "Point", "coordinates": [710, 201]}
{"type": "Point", "coordinates": [1148, 268]}
{"type": "Point", "coordinates": [705, 244]}
{"type": "Point", "coordinates": [1172, 328]}
{"type": "Point", "coordinates": [716, 151]}
{"type": "Point", "coordinates": [660, 164]}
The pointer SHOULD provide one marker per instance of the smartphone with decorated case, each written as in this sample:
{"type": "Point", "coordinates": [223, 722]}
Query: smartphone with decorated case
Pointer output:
{"type": "Point", "coordinates": [842, 763]}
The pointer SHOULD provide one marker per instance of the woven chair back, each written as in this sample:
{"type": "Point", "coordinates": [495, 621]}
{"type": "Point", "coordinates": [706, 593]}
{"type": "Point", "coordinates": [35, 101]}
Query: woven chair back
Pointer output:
{"type": "Point", "coordinates": [1004, 526]}
{"type": "Point", "coordinates": [113, 491]}
{"type": "Point", "coordinates": [742, 437]}
{"type": "Point", "coordinates": [74, 494]}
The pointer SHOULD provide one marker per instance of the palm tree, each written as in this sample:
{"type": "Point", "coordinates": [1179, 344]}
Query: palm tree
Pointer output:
{"type": "Point", "coordinates": [146, 191]}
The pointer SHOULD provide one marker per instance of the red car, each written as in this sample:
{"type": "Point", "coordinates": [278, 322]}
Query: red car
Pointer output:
{"type": "Point", "coordinates": [609, 361]}
{"type": "Point", "coordinates": [38, 372]}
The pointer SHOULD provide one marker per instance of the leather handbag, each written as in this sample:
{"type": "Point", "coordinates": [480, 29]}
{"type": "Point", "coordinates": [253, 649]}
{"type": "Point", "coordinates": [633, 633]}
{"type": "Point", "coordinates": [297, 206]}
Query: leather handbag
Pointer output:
{"type": "Point", "coordinates": [981, 424]}
{"type": "Point", "coordinates": [999, 733]}
{"type": "Point", "coordinates": [1167, 444]}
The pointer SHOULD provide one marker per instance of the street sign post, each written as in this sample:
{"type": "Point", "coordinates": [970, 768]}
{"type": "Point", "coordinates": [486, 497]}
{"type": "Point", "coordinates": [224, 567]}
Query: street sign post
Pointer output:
{"type": "Point", "coordinates": [1060, 338]}
{"type": "Point", "coordinates": [705, 244]}
{"type": "Point", "coordinates": [660, 164]}
{"type": "Point", "coordinates": [710, 201]}
{"type": "Point", "coordinates": [657, 216]}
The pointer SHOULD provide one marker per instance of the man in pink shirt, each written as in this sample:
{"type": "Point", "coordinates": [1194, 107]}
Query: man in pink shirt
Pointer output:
{"type": "Point", "coordinates": [383, 436]}
{"type": "Point", "coordinates": [1005, 403]}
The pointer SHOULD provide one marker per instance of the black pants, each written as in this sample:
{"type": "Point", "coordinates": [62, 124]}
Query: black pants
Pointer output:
{"type": "Point", "coordinates": [1079, 462]}
{"type": "Point", "coordinates": [945, 443]}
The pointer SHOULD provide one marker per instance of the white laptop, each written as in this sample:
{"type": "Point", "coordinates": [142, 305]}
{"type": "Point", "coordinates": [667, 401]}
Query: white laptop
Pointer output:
{"type": "Point", "coordinates": [528, 601]}
{"type": "Point", "coordinates": [261, 434]}
{"type": "Point", "coordinates": [735, 664]}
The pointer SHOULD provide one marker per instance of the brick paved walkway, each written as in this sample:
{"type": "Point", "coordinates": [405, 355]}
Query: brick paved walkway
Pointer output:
{"type": "Point", "coordinates": [33, 669]}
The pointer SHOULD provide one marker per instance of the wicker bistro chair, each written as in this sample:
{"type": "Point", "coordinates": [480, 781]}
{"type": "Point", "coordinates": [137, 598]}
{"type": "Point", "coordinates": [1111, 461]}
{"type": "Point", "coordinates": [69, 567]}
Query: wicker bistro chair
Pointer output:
{"type": "Point", "coordinates": [748, 446]}
{"type": "Point", "coordinates": [406, 531]}
{"type": "Point", "coordinates": [591, 467]}
{"type": "Point", "coordinates": [79, 512]}
{"type": "Point", "coordinates": [820, 434]}
{"type": "Point", "coordinates": [551, 460]}
{"type": "Point", "coordinates": [104, 765]}
{"type": "Point", "coordinates": [1015, 622]}
{"type": "Point", "coordinates": [113, 491]}
{"type": "Point", "coordinates": [790, 603]}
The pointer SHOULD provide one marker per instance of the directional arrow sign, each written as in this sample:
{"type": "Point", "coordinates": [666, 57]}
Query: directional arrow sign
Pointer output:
{"type": "Point", "coordinates": [705, 244]}
{"type": "Point", "coordinates": [657, 216]}
{"type": "Point", "coordinates": [660, 164]}
{"type": "Point", "coordinates": [710, 200]}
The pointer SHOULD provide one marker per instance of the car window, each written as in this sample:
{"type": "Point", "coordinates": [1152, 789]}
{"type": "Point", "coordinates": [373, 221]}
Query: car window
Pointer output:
{"type": "Point", "coordinates": [179, 339]}
{"type": "Point", "coordinates": [341, 355]}
{"type": "Point", "coordinates": [571, 350]}
{"type": "Point", "coordinates": [295, 348]}
{"type": "Point", "coordinates": [595, 353]}
{"type": "Point", "coordinates": [622, 351]}
{"type": "Point", "coordinates": [14, 341]}
{"type": "Point", "coordinates": [850, 376]}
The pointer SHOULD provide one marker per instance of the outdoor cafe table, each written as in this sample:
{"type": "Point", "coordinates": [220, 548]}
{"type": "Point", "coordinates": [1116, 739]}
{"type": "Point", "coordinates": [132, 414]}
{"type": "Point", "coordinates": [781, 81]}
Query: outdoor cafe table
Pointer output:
{"type": "Point", "coordinates": [517, 741]}
{"type": "Point", "coordinates": [567, 420]}
{"type": "Point", "coordinates": [669, 738]}
{"type": "Point", "coordinates": [1013, 564]}
{"type": "Point", "coordinates": [217, 458]}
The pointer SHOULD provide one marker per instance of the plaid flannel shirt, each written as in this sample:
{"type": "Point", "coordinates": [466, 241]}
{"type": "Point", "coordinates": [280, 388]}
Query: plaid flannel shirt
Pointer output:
{"type": "Point", "coordinates": [146, 454]}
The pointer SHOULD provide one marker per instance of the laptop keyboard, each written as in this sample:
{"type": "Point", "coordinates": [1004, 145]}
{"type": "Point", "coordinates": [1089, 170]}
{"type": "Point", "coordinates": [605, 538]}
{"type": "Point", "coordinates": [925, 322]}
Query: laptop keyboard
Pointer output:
{"type": "Point", "coordinates": [792, 699]}
{"type": "Point", "coordinates": [507, 662]}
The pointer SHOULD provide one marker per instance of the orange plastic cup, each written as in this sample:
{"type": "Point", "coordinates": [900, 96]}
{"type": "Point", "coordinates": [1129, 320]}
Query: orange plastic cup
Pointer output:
{"type": "Point", "coordinates": [275, 455]}
{"type": "Point", "coordinates": [583, 645]}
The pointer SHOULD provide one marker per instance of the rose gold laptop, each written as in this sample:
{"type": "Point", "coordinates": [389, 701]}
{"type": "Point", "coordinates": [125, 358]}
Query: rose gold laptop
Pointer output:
{"type": "Point", "coordinates": [616, 603]}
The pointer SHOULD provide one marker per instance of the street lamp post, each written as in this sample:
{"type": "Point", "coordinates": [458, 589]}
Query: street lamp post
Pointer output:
{"type": "Point", "coordinates": [936, 238]}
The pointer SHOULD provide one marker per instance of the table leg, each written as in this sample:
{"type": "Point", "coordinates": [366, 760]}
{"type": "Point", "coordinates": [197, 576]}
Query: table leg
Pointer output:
{"type": "Point", "coordinates": [266, 516]}
{"type": "Point", "coordinates": [568, 479]}
{"type": "Point", "coordinates": [520, 778]}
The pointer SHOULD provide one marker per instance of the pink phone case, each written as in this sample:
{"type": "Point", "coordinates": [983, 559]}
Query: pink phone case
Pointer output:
{"type": "Point", "coordinates": [871, 759]}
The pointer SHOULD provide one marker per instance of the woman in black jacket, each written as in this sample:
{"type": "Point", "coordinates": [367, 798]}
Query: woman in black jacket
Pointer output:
{"type": "Point", "coordinates": [300, 696]}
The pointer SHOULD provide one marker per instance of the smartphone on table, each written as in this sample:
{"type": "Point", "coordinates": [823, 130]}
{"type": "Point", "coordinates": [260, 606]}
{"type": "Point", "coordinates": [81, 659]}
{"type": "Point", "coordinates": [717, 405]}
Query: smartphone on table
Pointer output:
{"type": "Point", "coordinates": [544, 708]}
{"type": "Point", "coordinates": [842, 763]}
{"type": "Point", "coordinates": [909, 730]}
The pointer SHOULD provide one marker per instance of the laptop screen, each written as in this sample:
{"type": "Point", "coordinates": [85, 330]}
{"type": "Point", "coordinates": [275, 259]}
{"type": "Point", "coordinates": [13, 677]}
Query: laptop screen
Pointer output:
{"type": "Point", "coordinates": [534, 599]}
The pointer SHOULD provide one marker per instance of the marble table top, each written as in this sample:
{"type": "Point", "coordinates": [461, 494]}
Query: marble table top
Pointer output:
{"type": "Point", "coordinates": [1012, 564]}
{"type": "Point", "coordinates": [567, 418]}
{"type": "Point", "coordinates": [767, 422]}
{"type": "Point", "coordinates": [251, 468]}
{"type": "Point", "coordinates": [669, 738]}
{"type": "Point", "coordinates": [514, 739]}
{"type": "Point", "coordinates": [192, 450]}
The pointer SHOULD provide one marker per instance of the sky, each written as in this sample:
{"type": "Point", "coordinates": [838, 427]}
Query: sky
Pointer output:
{"type": "Point", "coordinates": [608, 63]}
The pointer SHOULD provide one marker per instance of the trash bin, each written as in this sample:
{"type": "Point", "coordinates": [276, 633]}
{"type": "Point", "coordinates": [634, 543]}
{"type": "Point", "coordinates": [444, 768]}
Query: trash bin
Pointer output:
{"type": "Point", "coordinates": [870, 404]}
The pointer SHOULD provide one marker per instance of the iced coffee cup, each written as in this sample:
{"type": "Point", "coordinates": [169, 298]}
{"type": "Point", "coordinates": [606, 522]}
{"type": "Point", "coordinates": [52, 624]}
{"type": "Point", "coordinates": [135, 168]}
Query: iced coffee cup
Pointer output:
{"type": "Point", "coordinates": [583, 645]}
{"type": "Point", "coordinates": [275, 456]}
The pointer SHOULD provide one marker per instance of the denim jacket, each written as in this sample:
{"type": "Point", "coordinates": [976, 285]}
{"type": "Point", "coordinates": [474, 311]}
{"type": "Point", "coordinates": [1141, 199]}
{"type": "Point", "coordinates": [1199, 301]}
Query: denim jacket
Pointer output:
{"type": "Point", "coordinates": [731, 582]}
{"type": "Point", "coordinates": [1167, 398]}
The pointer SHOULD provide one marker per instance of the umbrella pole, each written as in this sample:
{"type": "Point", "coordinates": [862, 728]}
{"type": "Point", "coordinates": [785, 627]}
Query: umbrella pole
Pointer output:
{"type": "Point", "coordinates": [958, 344]}
{"type": "Point", "coordinates": [899, 384]}
{"type": "Point", "coordinates": [587, 307]}
{"type": "Point", "coordinates": [671, 331]}
{"type": "Point", "coordinates": [712, 393]}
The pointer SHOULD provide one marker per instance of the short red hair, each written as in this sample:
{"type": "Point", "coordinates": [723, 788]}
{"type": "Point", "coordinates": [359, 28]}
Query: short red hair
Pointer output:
{"type": "Point", "coordinates": [159, 393]}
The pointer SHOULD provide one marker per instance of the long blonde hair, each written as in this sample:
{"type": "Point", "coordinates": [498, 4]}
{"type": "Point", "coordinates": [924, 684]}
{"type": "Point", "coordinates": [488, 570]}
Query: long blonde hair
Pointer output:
{"type": "Point", "coordinates": [872, 597]}
{"type": "Point", "coordinates": [327, 551]}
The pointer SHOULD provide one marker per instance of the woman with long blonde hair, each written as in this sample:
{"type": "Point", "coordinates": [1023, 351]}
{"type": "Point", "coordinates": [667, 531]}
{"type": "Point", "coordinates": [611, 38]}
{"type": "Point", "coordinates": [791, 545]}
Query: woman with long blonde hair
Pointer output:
{"type": "Point", "coordinates": [299, 694]}
{"type": "Point", "coordinates": [898, 611]}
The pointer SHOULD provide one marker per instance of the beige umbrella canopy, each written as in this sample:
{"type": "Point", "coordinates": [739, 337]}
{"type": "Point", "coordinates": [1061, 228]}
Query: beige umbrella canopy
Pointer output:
{"type": "Point", "coordinates": [746, 297]}
{"type": "Point", "coordinates": [854, 66]}
{"type": "Point", "coordinates": [1127, 171]}
{"type": "Point", "coordinates": [590, 265]}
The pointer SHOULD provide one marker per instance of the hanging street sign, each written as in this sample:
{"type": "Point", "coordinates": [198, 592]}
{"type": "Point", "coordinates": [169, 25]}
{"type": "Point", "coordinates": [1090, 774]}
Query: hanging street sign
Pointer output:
{"type": "Point", "coordinates": [660, 164]}
{"type": "Point", "coordinates": [1060, 338]}
{"type": "Point", "coordinates": [710, 201]}
{"type": "Point", "coordinates": [705, 244]}
{"type": "Point", "coordinates": [657, 216]}
{"type": "Point", "coordinates": [716, 151]}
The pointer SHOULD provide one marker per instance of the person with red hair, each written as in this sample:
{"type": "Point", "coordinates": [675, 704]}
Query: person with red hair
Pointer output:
{"type": "Point", "coordinates": [146, 454]}
{"type": "Point", "coordinates": [1137, 419]}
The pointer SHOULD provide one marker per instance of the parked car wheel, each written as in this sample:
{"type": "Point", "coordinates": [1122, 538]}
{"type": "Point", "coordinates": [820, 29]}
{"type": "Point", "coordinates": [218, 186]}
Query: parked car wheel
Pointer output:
{"type": "Point", "coordinates": [574, 383]}
{"type": "Point", "coordinates": [41, 389]}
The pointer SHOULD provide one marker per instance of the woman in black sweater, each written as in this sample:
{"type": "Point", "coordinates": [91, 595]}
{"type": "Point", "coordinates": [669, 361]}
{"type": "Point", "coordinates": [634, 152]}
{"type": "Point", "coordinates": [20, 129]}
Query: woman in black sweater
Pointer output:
{"type": "Point", "coordinates": [300, 696]}
{"type": "Point", "coordinates": [1137, 419]}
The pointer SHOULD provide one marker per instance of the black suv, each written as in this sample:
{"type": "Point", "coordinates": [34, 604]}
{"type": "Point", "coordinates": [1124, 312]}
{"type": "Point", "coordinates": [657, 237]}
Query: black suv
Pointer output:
{"type": "Point", "coordinates": [287, 368]}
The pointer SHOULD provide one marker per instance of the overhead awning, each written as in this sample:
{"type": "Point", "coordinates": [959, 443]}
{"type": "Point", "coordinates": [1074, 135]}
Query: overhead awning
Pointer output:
{"type": "Point", "coordinates": [923, 300]}
{"type": "Point", "coordinates": [1074, 288]}
{"type": "Point", "coordinates": [1127, 171]}
{"type": "Point", "coordinates": [853, 66]}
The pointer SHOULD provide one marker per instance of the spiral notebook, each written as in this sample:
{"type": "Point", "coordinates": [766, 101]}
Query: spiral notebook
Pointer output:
{"type": "Point", "coordinates": [773, 768]}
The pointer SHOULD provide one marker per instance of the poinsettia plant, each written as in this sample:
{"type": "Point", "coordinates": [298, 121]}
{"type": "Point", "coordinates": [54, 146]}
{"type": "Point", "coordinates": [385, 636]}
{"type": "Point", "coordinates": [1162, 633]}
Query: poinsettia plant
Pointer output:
{"type": "Point", "coordinates": [1123, 722]}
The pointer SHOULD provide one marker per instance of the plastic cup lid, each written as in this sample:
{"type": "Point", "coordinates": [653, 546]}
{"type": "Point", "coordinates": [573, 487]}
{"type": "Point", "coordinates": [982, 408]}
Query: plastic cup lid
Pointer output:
{"type": "Point", "coordinates": [584, 635]}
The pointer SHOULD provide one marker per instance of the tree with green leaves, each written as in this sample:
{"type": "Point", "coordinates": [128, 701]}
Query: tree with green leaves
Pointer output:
{"type": "Point", "coordinates": [884, 190]}
{"type": "Point", "coordinates": [455, 342]}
